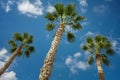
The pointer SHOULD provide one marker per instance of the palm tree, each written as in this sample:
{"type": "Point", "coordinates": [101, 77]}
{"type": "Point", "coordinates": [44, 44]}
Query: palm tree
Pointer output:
{"type": "Point", "coordinates": [64, 15]}
{"type": "Point", "coordinates": [100, 48]}
{"type": "Point", "coordinates": [20, 45]}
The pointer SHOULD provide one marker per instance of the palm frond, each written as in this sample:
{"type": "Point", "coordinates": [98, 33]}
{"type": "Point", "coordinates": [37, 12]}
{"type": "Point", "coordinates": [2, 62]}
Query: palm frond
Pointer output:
{"type": "Point", "coordinates": [90, 60]}
{"type": "Point", "coordinates": [107, 44]}
{"type": "Point", "coordinates": [51, 16]}
{"type": "Point", "coordinates": [76, 26]}
{"type": "Point", "coordinates": [12, 49]}
{"type": "Point", "coordinates": [18, 37]}
{"type": "Point", "coordinates": [89, 40]}
{"type": "Point", "coordinates": [105, 59]}
{"type": "Point", "coordinates": [59, 8]}
{"type": "Point", "coordinates": [85, 47]}
{"type": "Point", "coordinates": [98, 38]}
{"type": "Point", "coordinates": [31, 49]}
{"type": "Point", "coordinates": [70, 9]}
{"type": "Point", "coordinates": [27, 53]}
{"type": "Point", "coordinates": [12, 43]}
{"type": "Point", "coordinates": [70, 37]}
{"type": "Point", "coordinates": [79, 18]}
{"type": "Point", "coordinates": [110, 51]}
{"type": "Point", "coordinates": [50, 26]}
{"type": "Point", "coordinates": [30, 39]}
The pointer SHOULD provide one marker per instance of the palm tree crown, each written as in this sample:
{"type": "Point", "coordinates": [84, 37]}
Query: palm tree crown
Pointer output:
{"type": "Point", "coordinates": [98, 44]}
{"type": "Point", "coordinates": [25, 40]}
{"type": "Point", "coordinates": [66, 15]}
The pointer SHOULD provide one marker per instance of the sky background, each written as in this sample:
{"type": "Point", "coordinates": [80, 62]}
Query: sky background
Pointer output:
{"type": "Point", "coordinates": [102, 17]}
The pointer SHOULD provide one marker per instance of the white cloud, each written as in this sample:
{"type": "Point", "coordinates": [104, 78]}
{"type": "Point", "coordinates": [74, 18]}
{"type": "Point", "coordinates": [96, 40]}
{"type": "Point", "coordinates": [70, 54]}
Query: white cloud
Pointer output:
{"type": "Point", "coordinates": [9, 75]}
{"type": "Point", "coordinates": [78, 54]}
{"type": "Point", "coordinates": [51, 9]}
{"type": "Point", "coordinates": [83, 4]}
{"type": "Point", "coordinates": [75, 64]}
{"type": "Point", "coordinates": [30, 9]}
{"type": "Point", "coordinates": [89, 33]}
{"type": "Point", "coordinates": [100, 9]}
{"type": "Point", "coordinates": [7, 6]}
{"type": "Point", "coordinates": [116, 46]}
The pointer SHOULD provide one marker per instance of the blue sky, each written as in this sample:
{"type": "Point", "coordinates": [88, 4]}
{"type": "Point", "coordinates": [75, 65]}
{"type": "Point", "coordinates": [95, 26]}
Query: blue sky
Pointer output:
{"type": "Point", "coordinates": [102, 17]}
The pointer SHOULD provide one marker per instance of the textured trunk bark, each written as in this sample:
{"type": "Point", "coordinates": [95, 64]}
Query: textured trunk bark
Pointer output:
{"type": "Point", "coordinates": [49, 60]}
{"type": "Point", "coordinates": [10, 60]}
{"type": "Point", "coordinates": [99, 66]}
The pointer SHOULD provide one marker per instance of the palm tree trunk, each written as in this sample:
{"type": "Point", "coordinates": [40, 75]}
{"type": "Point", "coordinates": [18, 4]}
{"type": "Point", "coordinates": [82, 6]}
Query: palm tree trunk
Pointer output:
{"type": "Point", "coordinates": [99, 66]}
{"type": "Point", "coordinates": [49, 60]}
{"type": "Point", "coordinates": [10, 60]}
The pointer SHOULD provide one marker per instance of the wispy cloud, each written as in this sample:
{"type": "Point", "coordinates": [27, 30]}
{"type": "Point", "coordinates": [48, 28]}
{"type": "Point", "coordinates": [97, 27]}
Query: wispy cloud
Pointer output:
{"type": "Point", "coordinates": [30, 9]}
{"type": "Point", "coordinates": [8, 75]}
{"type": "Point", "coordinates": [100, 9]}
{"type": "Point", "coordinates": [50, 8]}
{"type": "Point", "coordinates": [83, 4]}
{"type": "Point", "coordinates": [75, 64]}
{"type": "Point", "coordinates": [7, 6]}
{"type": "Point", "coordinates": [116, 46]}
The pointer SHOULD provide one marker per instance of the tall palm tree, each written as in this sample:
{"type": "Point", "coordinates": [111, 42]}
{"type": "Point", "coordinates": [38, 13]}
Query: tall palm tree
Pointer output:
{"type": "Point", "coordinates": [100, 48]}
{"type": "Point", "coordinates": [64, 15]}
{"type": "Point", "coordinates": [20, 45]}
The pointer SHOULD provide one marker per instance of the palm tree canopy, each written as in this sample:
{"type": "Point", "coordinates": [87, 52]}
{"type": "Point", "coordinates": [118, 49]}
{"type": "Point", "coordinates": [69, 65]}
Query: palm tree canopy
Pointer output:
{"type": "Point", "coordinates": [99, 44]}
{"type": "Point", "coordinates": [67, 15]}
{"type": "Point", "coordinates": [22, 39]}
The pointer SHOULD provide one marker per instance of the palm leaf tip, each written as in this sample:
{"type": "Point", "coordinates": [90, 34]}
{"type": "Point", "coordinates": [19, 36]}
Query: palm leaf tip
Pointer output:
{"type": "Point", "coordinates": [51, 16]}
{"type": "Point", "coordinates": [89, 40]}
{"type": "Point", "coordinates": [110, 52]}
{"type": "Point", "coordinates": [70, 37]}
{"type": "Point", "coordinates": [50, 26]}
{"type": "Point", "coordinates": [18, 37]}
{"type": "Point", "coordinates": [70, 9]}
{"type": "Point", "coordinates": [90, 60]}
{"type": "Point", "coordinates": [79, 18]}
{"type": "Point", "coordinates": [84, 47]}
{"type": "Point", "coordinates": [59, 8]}
{"type": "Point", "coordinates": [76, 26]}
{"type": "Point", "coordinates": [105, 60]}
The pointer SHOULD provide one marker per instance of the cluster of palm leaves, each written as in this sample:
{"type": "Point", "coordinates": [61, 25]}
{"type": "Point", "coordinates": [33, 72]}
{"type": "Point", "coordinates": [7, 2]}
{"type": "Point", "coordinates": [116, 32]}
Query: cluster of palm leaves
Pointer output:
{"type": "Point", "coordinates": [25, 40]}
{"type": "Point", "coordinates": [66, 15]}
{"type": "Point", "coordinates": [98, 44]}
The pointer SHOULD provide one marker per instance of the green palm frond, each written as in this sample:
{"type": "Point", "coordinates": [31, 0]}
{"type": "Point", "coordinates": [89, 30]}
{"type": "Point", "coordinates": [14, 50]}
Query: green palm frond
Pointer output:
{"type": "Point", "coordinates": [70, 9]}
{"type": "Point", "coordinates": [51, 16]}
{"type": "Point", "coordinates": [89, 40]}
{"type": "Point", "coordinates": [98, 38]}
{"type": "Point", "coordinates": [110, 51]}
{"type": "Point", "coordinates": [31, 49]}
{"type": "Point", "coordinates": [85, 47]}
{"type": "Point", "coordinates": [100, 44]}
{"type": "Point", "coordinates": [76, 26]}
{"type": "Point", "coordinates": [107, 44]}
{"type": "Point", "coordinates": [50, 26]}
{"type": "Point", "coordinates": [90, 60]}
{"type": "Point", "coordinates": [25, 35]}
{"type": "Point", "coordinates": [79, 18]}
{"type": "Point", "coordinates": [12, 49]}
{"type": "Point", "coordinates": [59, 8]}
{"type": "Point", "coordinates": [70, 37]}
{"type": "Point", "coordinates": [18, 37]}
{"type": "Point", "coordinates": [105, 59]}
{"type": "Point", "coordinates": [30, 39]}
{"type": "Point", "coordinates": [12, 43]}
{"type": "Point", "coordinates": [27, 53]}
